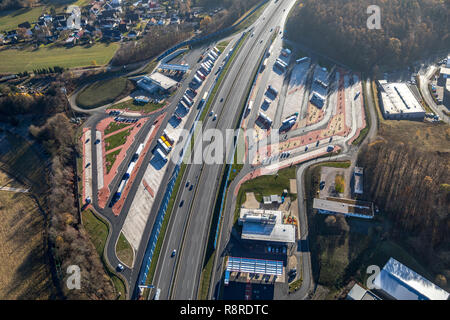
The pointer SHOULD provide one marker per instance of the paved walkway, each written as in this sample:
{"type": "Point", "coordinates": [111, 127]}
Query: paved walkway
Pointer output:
{"type": "Point", "coordinates": [14, 189]}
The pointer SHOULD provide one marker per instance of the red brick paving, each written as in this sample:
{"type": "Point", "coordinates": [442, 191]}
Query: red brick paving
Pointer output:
{"type": "Point", "coordinates": [119, 204]}
{"type": "Point", "coordinates": [262, 171]}
{"type": "Point", "coordinates": [104, 193]}
{"type": "Point", "coordinates": [117, 131]}
{"type": "Point", "coordinates": [148, 188]}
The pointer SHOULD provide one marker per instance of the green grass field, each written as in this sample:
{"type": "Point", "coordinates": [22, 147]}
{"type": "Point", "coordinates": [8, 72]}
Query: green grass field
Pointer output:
{"type": "Point", "coordinates": [110, 159]}
{"type": "Point", "coordinates": [28, 59]}
{"type": "Point", "coordinates": [101, 92]}
{"type": "Point", "coordinates": [132, 106]}
{"type": "Point", "coordinates": [265, 186]}
{"type": "Point", "coordinates": [116, 140]}
{"type": "Point", "coordinates": [124, 251]}
{"type": "Point", "coordinates": [97, 229]}
{"type": "Point", "coordinates": [114, 126]}
{"type": "Point", "coordinates": [98, 234]}
{"type": "Point", "coordinates": [222, 45]}
{"type": "Point", "coordinates": [9, 20]}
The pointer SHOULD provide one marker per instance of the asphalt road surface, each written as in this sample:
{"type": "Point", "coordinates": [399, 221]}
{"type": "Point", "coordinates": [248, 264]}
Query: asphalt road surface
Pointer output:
{"type": "Point", "coordinates": [178, 277]}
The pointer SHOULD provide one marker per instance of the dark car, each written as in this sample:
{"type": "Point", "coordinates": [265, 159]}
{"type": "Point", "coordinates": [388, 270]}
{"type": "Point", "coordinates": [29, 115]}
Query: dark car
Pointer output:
{"type": "Point", "coordinates": [181, 203]}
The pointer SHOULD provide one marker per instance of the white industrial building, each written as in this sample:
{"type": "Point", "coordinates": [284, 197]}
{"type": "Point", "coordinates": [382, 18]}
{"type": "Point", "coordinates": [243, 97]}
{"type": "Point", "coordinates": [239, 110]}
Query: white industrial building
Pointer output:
{"type": "Point", "coordinates": [157, 81]}
{"type": "Point", "coordinates": [265, 225]}
{"type": "Point", "coordinates": [398, 102]}
{"type": "Point", "coordinates": [397, 281]}
{"type": "Point", "coordinates": [347, 207]}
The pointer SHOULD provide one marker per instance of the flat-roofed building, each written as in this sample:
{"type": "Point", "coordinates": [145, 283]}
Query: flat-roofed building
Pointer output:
{"type": "Point", "coordinates": [265, 225]}
{"type": "Point", "coordinates": [446, 98]}
{"type": "Point", "coordinates": [157, 81]}
{"type": "Point", "coordinates": [347, 207]}
{"type": "Point", "coordinates": [398, 102]}
{"type": "Point", "coordinates": [444, 74]}
{"type": "Point", "coordinates": [272, 199]}
{"type": "Point", "coordinates": [397, 281]}
{"type": "Point", "coordinates": [359, 293]}
{"type": "Point", "coordinates": [358, 175]}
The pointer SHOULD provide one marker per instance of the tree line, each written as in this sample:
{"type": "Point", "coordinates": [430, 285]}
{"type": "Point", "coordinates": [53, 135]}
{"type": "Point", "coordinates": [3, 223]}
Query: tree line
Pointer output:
{"type": "Point", "coordinates": [69, 243]}
{"type": "Point", "coordinates": [162, 38]}
{"type": "Point", "coordinates": [411, 187]}
{"type": "Point", "coordinates": [410, 30]}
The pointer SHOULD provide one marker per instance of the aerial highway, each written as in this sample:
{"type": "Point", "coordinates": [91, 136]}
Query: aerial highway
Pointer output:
{"type": "Point", "coordinates": [130, 275]}
{"type": "Point", "coordinates": [178, 277]}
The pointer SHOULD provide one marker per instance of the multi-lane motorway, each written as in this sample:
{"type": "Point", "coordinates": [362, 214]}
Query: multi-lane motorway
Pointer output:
{"type": "Point", "coordinates": [178, 277]}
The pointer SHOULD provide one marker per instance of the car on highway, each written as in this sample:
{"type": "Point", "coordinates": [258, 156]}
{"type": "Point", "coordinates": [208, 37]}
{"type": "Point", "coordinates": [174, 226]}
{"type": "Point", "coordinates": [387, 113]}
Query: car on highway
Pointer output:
{"type": "Point", "coordinates": [187, 184]}
{"type": "Point", "coordinates": [174, 252]}
{"type": "Point", "coordinates": [181, 203]}
{"type": "Point", "coordinates": [221, 99]}
{"type": "Point", "coordinates": [215, 117]}
{"type": "Point", "coordinates": [211, 113]}
{"type": "Point", "coordinates": [120, 267]}
{"type": "Point", "coordinates": [190, 188]}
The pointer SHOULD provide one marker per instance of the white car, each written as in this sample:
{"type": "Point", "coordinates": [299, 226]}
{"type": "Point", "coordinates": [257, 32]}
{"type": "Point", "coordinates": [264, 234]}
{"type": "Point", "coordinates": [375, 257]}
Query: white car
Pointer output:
{"type": "Point", "coordinates": [120, 267]}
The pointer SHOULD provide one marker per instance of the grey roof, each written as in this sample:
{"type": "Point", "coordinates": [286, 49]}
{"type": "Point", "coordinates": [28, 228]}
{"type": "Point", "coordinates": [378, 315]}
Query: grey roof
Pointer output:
{"type": "Point", "coordinates": [269, 232]}
{"type": "Point", "coordinates": [402, 283]}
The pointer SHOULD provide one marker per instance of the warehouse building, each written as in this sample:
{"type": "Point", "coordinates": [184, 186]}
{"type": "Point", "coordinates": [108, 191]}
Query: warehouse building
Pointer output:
{"type": "Point", "coordinates": [397, 281]}
{"type": "Point", "coordinates": [397, 101]}
{"type": "Point", "coordinates": [265, 225]}
{"type": "Point", "coordinates": [237, 267]}
{"type": "Point", "coordinates": [347, 207]}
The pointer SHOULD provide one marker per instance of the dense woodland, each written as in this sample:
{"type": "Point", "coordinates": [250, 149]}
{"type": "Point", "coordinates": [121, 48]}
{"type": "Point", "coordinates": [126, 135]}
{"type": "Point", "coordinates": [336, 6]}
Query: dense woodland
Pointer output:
{"type": "Point", "coordinates": [68, 238]}
{"type": "Point", "coordinates": [411, 29]}
{"type": "Point", "coordinates": [68, 241]}
{"type": "Point", "coordinates": [162, 38]}
{"type": "Point", "coordinates": [151, 45]}
{"type": "Point", "coordinates": [411, 187]}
